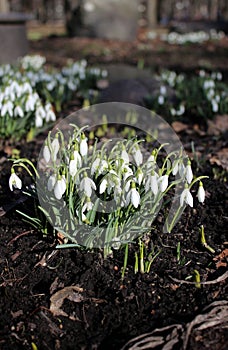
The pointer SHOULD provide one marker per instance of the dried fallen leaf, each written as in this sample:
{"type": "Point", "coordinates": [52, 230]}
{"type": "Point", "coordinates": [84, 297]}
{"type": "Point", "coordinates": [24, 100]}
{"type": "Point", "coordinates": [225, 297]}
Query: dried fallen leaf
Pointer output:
{"type": "Point", "coordinates": [174, 286]}
{"type": "Point", "coordinates": [218, 126]}
{"type": "Point", "coordinates": [221, 259]}
{"type": "Point", "coordinates": [220, 158]}
{"type": "Point", "coordinates": [57, 299]}
{"type": "Point", "coordinates": [178, 126]}
{"type": "Point", "coordinates": [73, 294]}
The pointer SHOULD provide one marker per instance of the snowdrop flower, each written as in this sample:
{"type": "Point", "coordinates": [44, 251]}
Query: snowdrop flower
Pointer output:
{"type": "Point", "coordinates": [46, 153]}
{"type": "Point", "coordinates": [83, 146]}
{"type": "Point", "coordinates": [215, 106]}
{"type": "Point", "coordinates": [181, 168]}
{"type": "Point", "coordinates": [163, 90]}
{"type": "Point", "coordinates": [51, 85]}
{"type": "Point", "coordinates": [127, 173]}
{"type": "Point", "coordinates": [163, 182]}
{"type": "Point", "coordinates": [139, 176]}
{"type": "Point", "coordinates": [118, 196]}
{"type": "Point", "coordinates": [95, 165]}
{"type": "Point", "coordinates": [50, 115]}
{"type": "Point", "coordinates": [99, 166]}
{"type": "Point", "coordinates": [30, 103]}
{"type": "Point", "coordinates": [103, 186]}
{"type": "Point", "coordinates": [73, 167]}
{"type": "Point", "coordinates": [9, 93]}
{"type": "Point", "coordinates": [210, 94]}
{"type": "Point", "coordinates": [202, 73]}
{"type": "Point", "coordinates": [38, 121]}
{"type": "Point", "coordinates": [151, 160]}
{"type": "Point", "coordinates": [161, 100]}
{"type": "Point", "coordinates": [186, 197]}
{"type": "Point", "coordinates": [124, 156]}
{"type": "Point", "coordinates": [219, 76]}
{"type": "Point", "coordinates": [189, 174]}
{"type": "Point", "coordinates": [201, 193]}
{"type": "Point", "coordinates": [18, 112]}
{"type": "Point", "coordinates": [16, 87]}
{"type": "Point", "coordinates": [152, 183]}
{"type": "Point", "coordinates": [113, 180]}
{"type": "Point", "coordinates": [86, 207]}
{"type": "Point", "coordinates": [75, 162]}
{"type": "Point", "coordinates": [40, 111]}
{"type": "Point", "coordinates": [173, 112]}
{"type": "Point", "coordinates": [7, 108]}
{"type": "Point", "coordinates": [55, 147]}
{"type": "Point", "coordinates": [51, 182]}
{"type": "Point", "coordinates": [14, 181]}
{"type": "Point", "coordinates": [60, 187]}
{"type": "Point", "coordinates": [217, 98]}
{"type": "Point", "coordinates": [181, 110]}
{"type": "Point", "coordinates": [77, 156]}
{"type": "Point", "coordinates": [208, 84]}
{"type": "Point", "coordinates": [87, 185]}
{"type": "Point", "coordinates": [175, 168]}
{"type": "Point", "coordinates": [26, 88]}
{"type": "Point", "coordinates": [133, 196]}
{"type": "Point", "coordinates": [137, 155]}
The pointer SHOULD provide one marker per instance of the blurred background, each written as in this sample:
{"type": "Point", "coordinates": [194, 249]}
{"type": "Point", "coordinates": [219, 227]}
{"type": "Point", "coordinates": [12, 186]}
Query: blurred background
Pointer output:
{"type": "Point", "coordinates": [78, 17]}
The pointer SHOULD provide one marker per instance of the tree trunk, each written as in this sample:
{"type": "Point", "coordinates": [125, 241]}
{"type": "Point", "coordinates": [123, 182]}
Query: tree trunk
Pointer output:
{"type": "Point", "coordinates": [73, 16]}
{"type": "Point", "coordinates": [152, 13]}
{"type": "Point", "coordinates": [4, 6]}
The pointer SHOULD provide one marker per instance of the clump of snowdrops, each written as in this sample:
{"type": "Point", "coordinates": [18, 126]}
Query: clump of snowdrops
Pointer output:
{"type": "Point", "coordinates": [197, 37]}
{"type": "Point", "coordinates": [106, 196]}
{"type": "Point", "coordinates": [31, 93]}
{"type": "Point", "coordinates": [202, 95]}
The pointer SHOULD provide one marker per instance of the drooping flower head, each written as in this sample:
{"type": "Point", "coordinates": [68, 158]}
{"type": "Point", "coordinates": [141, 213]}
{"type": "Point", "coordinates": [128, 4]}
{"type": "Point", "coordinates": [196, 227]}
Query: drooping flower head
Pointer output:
{"type": "Point", "coordinates": [14, 180]}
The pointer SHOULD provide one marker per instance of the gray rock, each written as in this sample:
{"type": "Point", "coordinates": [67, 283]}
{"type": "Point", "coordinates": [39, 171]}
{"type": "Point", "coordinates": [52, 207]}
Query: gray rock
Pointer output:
{"type": "Point", "coordinates": [111, 19]}
{"type": "Point", "coordinates": [13, 38]}
{"type": "Point", "coordinates": [134, 91]}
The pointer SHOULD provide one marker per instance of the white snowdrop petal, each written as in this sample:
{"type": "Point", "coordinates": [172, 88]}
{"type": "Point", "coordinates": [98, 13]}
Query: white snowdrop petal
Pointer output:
{"type": "Point", "coordinates": [73, 167]}
{"type": "Point", "coordinates": [189, 174]}
{"type": "Point", "coordinates": [182, 198]}
{"type": "Point", "coordinates": [57, 190]}
{"type": "Point", "coordinates": [51, 182]}
{"type": "Point", "coordinates": [83, 147]}
{"type": "Point", "coordinates": [14, 181]}
{"type": "Point", "coordinates": [46, 154]}
{"type": "Point", "coordinates": [175, 169]}
{"type": "Point", "coordinates": [154, 184]}
{"type": "Point", "coordinates": [189, 198]}
{"type": "Point", "coordinates": [201, 194]}
{"type": "Point", "coordinates": [95, 166]}
{"type": "Point", "coordinates": [103, 186]}
{"type": "Point", "coordinates": [138, 157]}
{"type": "Point", "coordinates": [135, 198]}
{"type": "Point", "coordinates": [55, 148]}
{"type": "Point", "coordinates": [163, 183]}
{"type": "Point", "coordinates": [124, 156]}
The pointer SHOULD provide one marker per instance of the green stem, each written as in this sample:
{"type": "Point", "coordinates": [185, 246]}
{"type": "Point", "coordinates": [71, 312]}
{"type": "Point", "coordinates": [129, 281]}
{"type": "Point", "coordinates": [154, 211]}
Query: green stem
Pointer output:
{"type": "Point", "coordinates": [125, 261]}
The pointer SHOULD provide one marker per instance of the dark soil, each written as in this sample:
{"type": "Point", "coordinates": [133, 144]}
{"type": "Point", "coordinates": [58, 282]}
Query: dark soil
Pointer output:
{"type": "Point", "coordinates": [99, 310]}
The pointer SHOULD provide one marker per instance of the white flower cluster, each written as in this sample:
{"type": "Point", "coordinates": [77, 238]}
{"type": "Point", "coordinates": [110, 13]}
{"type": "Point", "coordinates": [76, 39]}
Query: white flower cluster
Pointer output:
{"type": "Point", "coordinates": [28, 90]}
{"type": "Point", "coordinates": [18, 99]}
{"type": "Point", "coordinates": [122, 174]}
{"type": "Point", "coordinates": [209, 86]}
{"type": "Point", "coordinates": [203, 89]}
{"type": "Point", "coordinates": [172, 78]}
{"type": "Point", "coordinates": [199, 37]}
{"type": "Point", "coordinates": [35, 62]}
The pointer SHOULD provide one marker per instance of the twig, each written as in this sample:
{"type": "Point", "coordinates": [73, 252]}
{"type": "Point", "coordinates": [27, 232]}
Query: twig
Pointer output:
{"type": "Point", "coordinates": [19, 236]}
